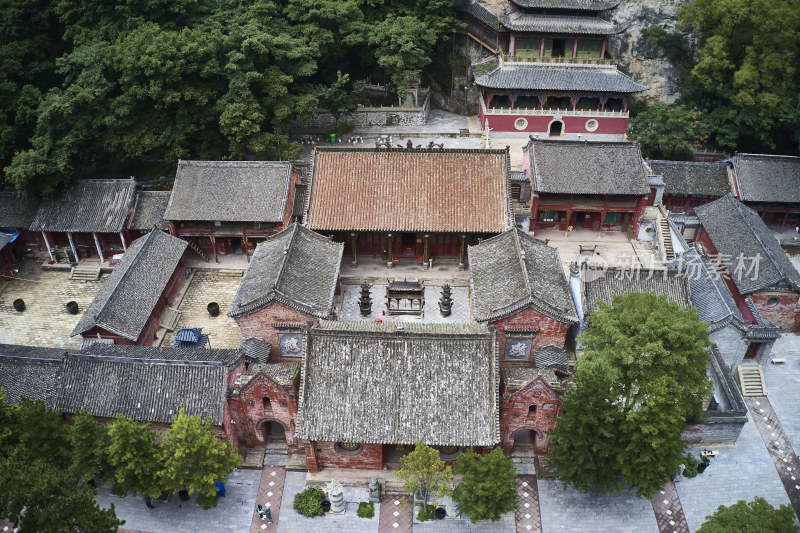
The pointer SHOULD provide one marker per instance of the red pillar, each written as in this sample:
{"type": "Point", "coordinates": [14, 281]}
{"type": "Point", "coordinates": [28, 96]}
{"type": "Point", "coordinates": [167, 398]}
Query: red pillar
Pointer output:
{"type": "Point", "coordinates": [534, 211]}
{"type": "Point", "coordinates": [637, 217]}
{"type": "Point", "coordinates": [603, 50]}
{"type": "Point", "coordinates": [173, 230]}
{"type": "Point", "coordinates": [575, 48]}
{"type": "Point", "coordinates": [541, 48]}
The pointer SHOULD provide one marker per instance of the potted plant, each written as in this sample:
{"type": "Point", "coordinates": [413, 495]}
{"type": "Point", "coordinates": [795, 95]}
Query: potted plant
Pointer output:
{"type": "Point", "coordinates": [213, 308]}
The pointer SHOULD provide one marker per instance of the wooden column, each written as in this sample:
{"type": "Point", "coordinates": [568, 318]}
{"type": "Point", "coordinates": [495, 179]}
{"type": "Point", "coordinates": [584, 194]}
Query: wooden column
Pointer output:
{"type": "Point", "coordinates": [213, 241]}
{"type": "Point", "coordinates": [461, 257]}
{"type": "Point", "coordinates": [72, 245]}
{"type": "Point", "coordinates": [785, 217]}
{"type": "Point", "coordinates": [47, 245]}
{"type": "Point", "coordinates": [512, 46]}
{"type": "Point", "coordinates": [173, 230]}
{"type": "Point", "coordinates": [99, 250]}
{"type": "Point", "coordinates": [603, 50]}
{"type": "Point", "coordinates": [122, 238]}
{"type": "Point", "coordinates": [390, 256]}
{"type": "Point", "coordinates": [426, 239]}
{"type": "Point", "coordinates": [541, 48]}
{"type": "Point", "coordinates": [244, 243]}
{"type": "Point", "coordinates": [575, 48]}
{"type": "Point", "coordinates": [534, 213]}
{"type": "Point", "coordinates": [353, 258]}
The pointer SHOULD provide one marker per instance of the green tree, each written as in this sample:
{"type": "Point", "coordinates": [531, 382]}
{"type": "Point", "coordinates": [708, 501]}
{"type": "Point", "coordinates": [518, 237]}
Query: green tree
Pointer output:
{"type": "Point", "coordinates": [641, 377]}
{"type": "Point", "coordinates": [424, 472]}
{"type": "Point", "coordinates": [342, 97]}
{"type": "Point", "coordinates": [89, 443]}
{"type": "Point", "coordinates": [668, 132]}
{"type": "Point", "coordinates": [134, 455]}
{"type": "Point", "coordinates": [193, 459]}
{"type": "Point", "coordinates": [403, 48]}
{"type": "Point", "coordinates": [757, 516]}
{"type": "Point", "coordinates": [489, 487]}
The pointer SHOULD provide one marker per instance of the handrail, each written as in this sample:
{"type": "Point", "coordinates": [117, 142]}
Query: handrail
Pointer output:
{"type": "Point", "coordinates": [525, 111]}
{"type": "Point", "coordinates": [585, 62]}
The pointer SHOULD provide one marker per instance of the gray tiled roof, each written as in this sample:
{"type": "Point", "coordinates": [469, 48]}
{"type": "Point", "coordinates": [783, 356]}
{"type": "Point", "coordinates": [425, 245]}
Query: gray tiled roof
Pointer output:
{"type": "Point", "coordinates": [30, 371]}
{"type": "Point", "coordinates": [148, 210]}
{"type": "Point", "coordinates": [226, 357]}
{"type": "Point", "coordinates": [708, 292]}
{"type": "Point", "coordinates": [736, 230]}
{"type": "Point", "coordinates": [368, 382]}
{"type": "Point", "coordinates": [129, 295]}
{"type": "Point", "coordinates": [691, 178]}
{"type": "Point", "coordinates": [297, 268]}
{"type": "Point", "coordinates": [767, 178]}
{"type": "Point", "coordinates": [16, 211]}
{"type": "Point", "coordinates": [581, 167]}
{"type": "Point", "coordinates": [621, 281]}
{"type": "Point", "coordinates": [100, 206]}
{"type": "Point", "coordinates": [230, 191]}
{"type": "Point", "coordinates": [480, 12]}
{"type": "Point", "coordinates": [584, 5]}
{"type": "Point", "coordinates": [550, 355]}
{"type": "Point", "coordinates": [518, 175]}
{"type": "Point", "coordinates": [513, 271]}
{"type": "Point", "coordinates": [539, 77]}
{"type": "Point", "coordinates": [5, 238]}
{"type": "Point", "coordinates": [142, 389]}
{"type": "Point", "coordinates": [561, 24]}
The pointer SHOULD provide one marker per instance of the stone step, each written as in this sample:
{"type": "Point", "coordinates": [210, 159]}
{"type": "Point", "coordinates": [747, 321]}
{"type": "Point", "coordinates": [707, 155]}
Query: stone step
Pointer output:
{"type": "Point", "coordinates": [254, 458]}
{"type": "Point", "coordinates": [230, 273]}
{"type": "Point", "coordinates": [170, 318]}
{"type": "Point", "coordinates": [85, 273]}
{"type": "Point", "coordinates": [751, 380]}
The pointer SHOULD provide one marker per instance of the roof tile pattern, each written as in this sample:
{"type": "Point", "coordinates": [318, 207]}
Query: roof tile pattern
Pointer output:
{"type": "Point", "coordinates": [513, 271]}
{"type": "Point", "coordinates": [708, 292]}
{"type": "Point", "coordinates": [100, 206]}
{"type": "Point", "coordinates": [580, 167]}
{"type": "Point", "coordinates": [616, 281]}
{"type": "Point", "coordinates": [148, 210]}
{"type": "Point", "coordinates": [230, 191]}
{"type": "Point", "coordinates": [16, 211]}
{"type": "Point", "coordinates": [5, 238]}
{"type": "Point", "coordinates": [561, 24]}
{"type": "Point", "coordinates": [370, 383]}
{"type": "Point", "coordinates": [768, 178]}
{"type": "Point", "coordinates": [584, 5]}
{"type": "Point", "coordinates": [736, 230]}
{"type": "Point", "coordinates": [536, 77]}
{"type": "Point", "coordinates": [30, 371]}
{"type": "Point", "coordinates": [130, 293]}
{"type": "Point", "coordinates": [226, 357]}
{"type": "Point", "coordinates": [691, 178]}
{"type": "Point", "coordinates": [410, 190]}
{"type": "Point", "coordinates": [296, 267]}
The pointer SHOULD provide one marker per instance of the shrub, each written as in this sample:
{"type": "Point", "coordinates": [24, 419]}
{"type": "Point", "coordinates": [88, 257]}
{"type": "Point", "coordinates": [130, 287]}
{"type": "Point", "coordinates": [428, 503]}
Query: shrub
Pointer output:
{"type": "Point", "coordinates": [309, 502]}
{"type": "Point", "coordinates": [426, 512]}
{"type": "Point", "coordinates": [207, 502]}
{"type": "Point", "coordinates": [691, 465]}
{"type": "Point", "coordinates": [366, 509]}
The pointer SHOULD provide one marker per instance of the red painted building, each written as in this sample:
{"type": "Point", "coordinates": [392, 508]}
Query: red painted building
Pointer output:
{"type": "Point", "coordinates": [552, 75]}
{"type": "Point", "coordinates": [227, 207]}
{"type": "Point", "coordinates": [528, 411]}
{"type": "Point", "coordinates": [129, 305]}
{"type": "Point", "coordinates": [770, 186]}
{"type": "Point", "coordinates": [600, 186]}
{"type": "Point", "coordinates": [16, 215]}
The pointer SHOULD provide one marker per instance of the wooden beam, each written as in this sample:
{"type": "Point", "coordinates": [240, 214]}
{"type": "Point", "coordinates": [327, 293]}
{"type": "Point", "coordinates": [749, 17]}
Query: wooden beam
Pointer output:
{"type": "Point", "coordinates": [47, 245]}
{"type": "Point", "coordinates": [99, 250]}
{"type": "Point", "coordinates": [72, 245]}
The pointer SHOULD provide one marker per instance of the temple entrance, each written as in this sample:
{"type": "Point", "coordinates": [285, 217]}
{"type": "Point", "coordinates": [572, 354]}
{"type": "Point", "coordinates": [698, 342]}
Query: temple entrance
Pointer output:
{"type": "Point", "coordinates": [556, 128]}
{"type": "Point", "coordinates": [274, 434]}
{"type": "Point", "coordinates": [236, 245]}
{"type": "Point", "coordinates": [409, 244]}
{"type": "Point", "coordinates": [559, 47]}
{"type": "Point", "coordinates": [529, 442]}
{"type": "Point", "coordinates": [392, 454]}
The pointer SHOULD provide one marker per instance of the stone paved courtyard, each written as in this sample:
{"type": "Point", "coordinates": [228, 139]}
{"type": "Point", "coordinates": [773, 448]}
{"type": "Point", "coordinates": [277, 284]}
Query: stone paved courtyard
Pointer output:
{"type": "Point", "coordinates": [45, 321]}
{"type": "Point", "coordinates": [209, 287]}
{"type": "Point", "coordinates": [460, 314]}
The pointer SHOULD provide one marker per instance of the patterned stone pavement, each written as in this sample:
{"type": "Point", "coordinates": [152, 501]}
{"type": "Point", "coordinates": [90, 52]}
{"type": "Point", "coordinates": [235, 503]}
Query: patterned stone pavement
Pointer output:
{"type": "Point", "coordinates": [528, 515]}
{"type": "Point", "coordinates": [460, 314]}
{"type": "Point", "coordinates": [270, 491]}
{"type": "Point", "coordinates": [45, 321]}
{"type": "Point", "coordinates": [669, 511]}
{"type": "Point", "coordinates": [207, 287]}
{"type": "Point", "coordinates": [779, 447]}
{"type": "Point", "coordinates": [396, 514]}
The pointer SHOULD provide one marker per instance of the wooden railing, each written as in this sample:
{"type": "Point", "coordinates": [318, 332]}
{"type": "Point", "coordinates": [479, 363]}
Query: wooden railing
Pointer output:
{"type": "Point", "coordinates": [525, 111]}
{"type": "Point", "coordinates": [585, 62]}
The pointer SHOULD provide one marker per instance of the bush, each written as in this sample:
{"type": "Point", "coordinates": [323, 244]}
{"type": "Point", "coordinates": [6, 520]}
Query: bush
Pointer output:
{"type": "Point", "coordinates": [309, 502]}
{"type": "Point", "coordinates": [207, 502]}
{"type": "Point", "coordinates": [366, 509]}
{"type": "Point", "coordinates": [691, 465]}
{"type": "Point", "coordinates": [426, 512]}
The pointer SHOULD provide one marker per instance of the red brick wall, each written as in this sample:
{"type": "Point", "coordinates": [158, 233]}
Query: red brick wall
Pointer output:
{"type": "Point", "coordinates": [514, 413]}
{"type": "Point", "coordinates": [784, 314]}
{"type": "Point", "coordinates": [550, 331]}
{"type": "Point", "coordinates": [261, 326]}
{"type": "Point", "coordinates": [247, 410]}
{"type": "Point", "coordinates": [371, 456]}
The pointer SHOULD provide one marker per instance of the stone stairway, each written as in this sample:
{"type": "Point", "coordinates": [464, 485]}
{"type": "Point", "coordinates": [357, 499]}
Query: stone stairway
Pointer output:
{"type": "Point", "coordinates": [665, 239]}
{"type": "Point", "coordinates": [751, 380]}
{"type": "Point", "coordinates": [254, 458]}
{"type": "Point", "coordinates": [85, 273]}
{"type": "Point", "coordinates": [196, 249]}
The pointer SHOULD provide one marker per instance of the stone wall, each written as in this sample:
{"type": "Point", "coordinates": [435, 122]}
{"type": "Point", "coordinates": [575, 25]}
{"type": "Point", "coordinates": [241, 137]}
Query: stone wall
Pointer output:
{"type": "Point", "coordinates": [370, 456]}
{"type": "Point", "coordinates": [261, 325]}
{"type": "Point", "coordinates": [515, 414]}
{"type": "Point", "coordinates": [717, 430]}
{"type": "Point", "coordinates": [248, 410]}
{"type": "Point", "coordinates": [391, 116]}
{"type": "Point", "coordinates": [549, 331]}
{"type": "Point", "coordinates": [785, 314]}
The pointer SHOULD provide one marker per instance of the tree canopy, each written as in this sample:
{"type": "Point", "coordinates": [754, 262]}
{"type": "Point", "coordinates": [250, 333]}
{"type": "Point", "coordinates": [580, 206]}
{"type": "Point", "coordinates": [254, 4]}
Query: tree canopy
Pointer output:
{"type": "Point", "coordinates": [489, 486]}
{"type": "Point", "coordinates": [668, 132]}
{"type": "Point", "coordinates": [94, 89]}
{"type": "Point", "coordinates": [757, 516]}
{"type": "Point", "coordinates": [641, 377]}
{"type": "Point", "coordinates": [425, 473]}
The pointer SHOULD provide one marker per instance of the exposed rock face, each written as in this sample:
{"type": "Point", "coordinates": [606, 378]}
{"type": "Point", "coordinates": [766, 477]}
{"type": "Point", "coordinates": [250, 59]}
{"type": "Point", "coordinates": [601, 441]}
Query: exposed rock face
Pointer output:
{"type": "Point", "coordinates": [647, 63]}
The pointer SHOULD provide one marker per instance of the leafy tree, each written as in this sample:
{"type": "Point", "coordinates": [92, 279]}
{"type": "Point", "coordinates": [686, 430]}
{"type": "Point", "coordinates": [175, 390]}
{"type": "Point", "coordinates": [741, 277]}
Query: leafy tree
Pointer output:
{"type": "Point", "coordinates": [668, 132]}
{"type": "Point", "coordinates": [425, 473]}
{"type": "Point", "coordinates": [134, 455]}
{"type": "Point", "coordinates": [403, 47]}
{"type": "Point", "coordinates": [489, 488]}
{"type": "Point", "coordinates": [342, 97]}
{"type": "Point", "coordinates": [642, 376]}
{"type": "Point", "coordinates": [89, 443]}
{"type": "Point", "coordinates": [193, 459]}
{"type": "Point", "coordinates": [757, 516]}
{"type": "Point", "coordinates": [673, 43]}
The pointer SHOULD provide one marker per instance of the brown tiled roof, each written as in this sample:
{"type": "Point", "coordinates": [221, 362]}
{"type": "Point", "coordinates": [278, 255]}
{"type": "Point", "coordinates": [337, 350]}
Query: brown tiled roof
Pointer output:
{"type": "Point", "coordinates": [370, 189]}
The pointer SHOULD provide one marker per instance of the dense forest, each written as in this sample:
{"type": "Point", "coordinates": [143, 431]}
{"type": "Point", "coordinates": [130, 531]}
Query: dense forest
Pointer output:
{"type": "Point", "coordinates": [95, 88]}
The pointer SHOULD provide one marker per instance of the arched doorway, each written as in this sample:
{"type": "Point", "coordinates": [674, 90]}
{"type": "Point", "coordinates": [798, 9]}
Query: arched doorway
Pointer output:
{"type": "Point", "coordinates": [273, 433]}
{"type": "Point", "coordinates": [529, 442]}
{"type": "Point", "coordinates": [556, 128]}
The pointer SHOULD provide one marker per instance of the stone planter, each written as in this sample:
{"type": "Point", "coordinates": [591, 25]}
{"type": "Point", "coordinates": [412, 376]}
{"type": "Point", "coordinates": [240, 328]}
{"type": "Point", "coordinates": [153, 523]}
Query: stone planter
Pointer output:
{"type": "Point", "coordinates": [72, 308]}
{"type": "Point", "coordinates": [213, 309]}
{"type": "Point", "coordinates": [440, 513]}
{"type": "Point", "coordinates": [19, 305]}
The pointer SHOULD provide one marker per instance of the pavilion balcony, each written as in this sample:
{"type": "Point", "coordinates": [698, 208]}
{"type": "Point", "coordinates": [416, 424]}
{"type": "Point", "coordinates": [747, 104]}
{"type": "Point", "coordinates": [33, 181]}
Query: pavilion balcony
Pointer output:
{"type": "Point", "coordinates": [581, 61]}
{"type": "Point", "coordinates": [525, 111]}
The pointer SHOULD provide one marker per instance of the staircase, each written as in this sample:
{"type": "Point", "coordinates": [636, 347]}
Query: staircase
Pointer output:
{"type": "Point", "coordinates": [196, 249]}
{"type": "Point", "coordinates": [85, 273]}
{"type": "Point", "coordinates": [170, 318]}
{"type": "Point", "coordinates": [751, 380]}
{"type": "Point", "coordinates": [665, 240]}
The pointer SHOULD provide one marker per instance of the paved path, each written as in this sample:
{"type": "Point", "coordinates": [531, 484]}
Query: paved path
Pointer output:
{"type": "Point", "coordinates": [528, 515]}
{"type": "Point", "coordinates": [669, 511]}
{"type": "Point", "coordinates": [396, 514]}
{"type": "Point", "coordinates": [780, 449]}
{"type": "Point", "coordinates": [270, 491]}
